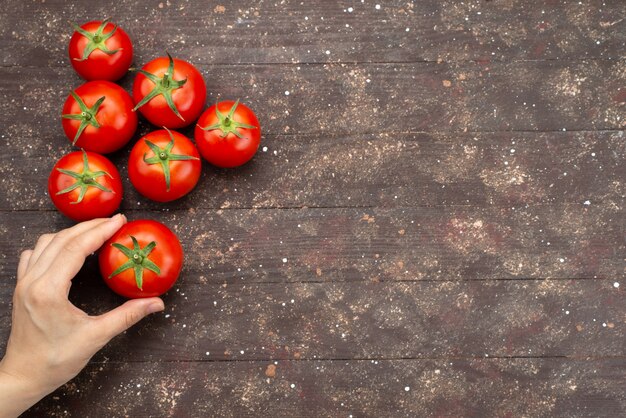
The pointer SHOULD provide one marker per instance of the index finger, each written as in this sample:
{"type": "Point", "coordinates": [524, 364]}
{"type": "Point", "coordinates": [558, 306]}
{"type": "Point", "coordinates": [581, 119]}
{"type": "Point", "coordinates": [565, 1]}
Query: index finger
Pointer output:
{"type": "Point", "coordinates": [71, 257]}
{"type": "Point", "coordinates": [49, 245]}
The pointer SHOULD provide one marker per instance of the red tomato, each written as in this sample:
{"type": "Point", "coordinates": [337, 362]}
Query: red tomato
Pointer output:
{"type": "Point", "coordinates": [143, 259]}
{"type": "Point", "coordinates": [100, 50]}
{"type": "Point", "coordinates": [169, 92]}
{"type": "Point", "coordinates": [164, 165]}
{"type": "Point", "coordinates": [228, 134]}
{"type": "Point", "coordinates": [85, 185]}
{"type": "Point", "coordinates": [98, 116]}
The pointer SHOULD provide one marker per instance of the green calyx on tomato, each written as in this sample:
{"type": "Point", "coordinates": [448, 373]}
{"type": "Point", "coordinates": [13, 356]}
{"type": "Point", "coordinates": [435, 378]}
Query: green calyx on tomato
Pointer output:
{"type": "Point", "coordinates": [227, 124]}
{"type": "Point", "coordinates": [163, 85]}
{"type": "Point", "coordinates": [164, 155]}
{"type": "Point", "coordinates": [85, 179]}
{"type": "Point", "coordinates": [137, 260]}
{"type": "Point", "coordinates": [87, 115]}
{"type": "Point", "coordinates": [96, 39]}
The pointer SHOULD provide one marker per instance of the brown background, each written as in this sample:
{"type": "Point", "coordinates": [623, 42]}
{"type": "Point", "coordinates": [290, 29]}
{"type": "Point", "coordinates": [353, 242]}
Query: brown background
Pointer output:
{"type": "Point", "coordinates": [436, 227]}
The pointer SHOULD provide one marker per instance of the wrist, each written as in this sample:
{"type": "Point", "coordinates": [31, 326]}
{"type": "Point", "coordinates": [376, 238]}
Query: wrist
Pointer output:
{"type": "Point", "coordinates": [17, 392]}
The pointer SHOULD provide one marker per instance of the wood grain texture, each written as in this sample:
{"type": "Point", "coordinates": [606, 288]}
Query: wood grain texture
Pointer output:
{"type": "Point", "coordinates": [441, 243]}
{"type": "Point", "coordinates": [339, 100]}
{"type": "Point", "coordinates": [435, 227]}
{"type": "Point", "coordinates": [238, 32]}
{"type": "Point", "coordinates": [372, 388]}
{"type": "Point", "coordinates": [476, 319]}
{"type": "Point", "coordinates": [501, 169]}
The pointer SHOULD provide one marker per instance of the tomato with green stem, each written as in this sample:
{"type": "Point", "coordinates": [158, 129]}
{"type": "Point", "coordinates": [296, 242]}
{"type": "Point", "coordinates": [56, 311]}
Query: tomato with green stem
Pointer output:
{"type": "Point", "coordinates": [169, 92]}
{"type": "Point", "coordinates": [98, 116]}
{"type": "Point", "coordinates": [100, 50]}
{"type": "Point", "coordinates": [142, 259]}
{"type": "Point", "coordinates": [164, 165]}
{"type": "Point", "coordinates": [85, 185]}
{"type": "Point", "coordinates": [228, 134]}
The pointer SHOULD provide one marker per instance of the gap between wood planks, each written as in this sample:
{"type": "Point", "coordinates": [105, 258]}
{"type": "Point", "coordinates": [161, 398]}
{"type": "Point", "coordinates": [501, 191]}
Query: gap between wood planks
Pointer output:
{"type": "Point", "coordinates": [386, 281]}
{"type": "Point", "coordinates": [363, 63]}
{"type": "Point", "coordinates": [366, 359]}
{"type": "Point", "coordinates": [391, 207]}
{"type": "Point", "coordinates": [391, 133]}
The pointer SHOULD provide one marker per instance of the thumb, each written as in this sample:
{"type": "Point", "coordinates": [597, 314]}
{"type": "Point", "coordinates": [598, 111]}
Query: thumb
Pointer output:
{"type": "Point", "coordinates": [125, 316]}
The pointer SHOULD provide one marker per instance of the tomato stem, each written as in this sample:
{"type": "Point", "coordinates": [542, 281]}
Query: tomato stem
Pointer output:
{"type": "Point", "coordinates": [163, 86]}
{"type": "Point", "coordinates": [226, 123]}
{"type": "Point", "coordinates": [88, 178]}
{"type": "Point", "coordinates": [97, 40]}
{"type": "Point", "coordinates": [85, 179]}
{"type": "Point", "coordinates": [87, 115]}
{"type": "Point", "coordinates": [137, 260]}
{"type": "Point", "coordinates": [164, 155]}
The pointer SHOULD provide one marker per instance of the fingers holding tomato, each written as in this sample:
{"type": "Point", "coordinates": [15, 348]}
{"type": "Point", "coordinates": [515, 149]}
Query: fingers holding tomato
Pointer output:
{"type": "Point", "coordinates": [169, 92]}
{"type": "Point", "coordinates": [143, 259]}
{"type": "Point", "coordinates": [228, 134]}
{"type": "Point", "coordinates": [100, 50]}
{"type": "Point", "coordinates": [85, 185]}
{"type": "Point", "coordinates": [164, 165]}
{"type": "Point", "coordinates": [98, 116]}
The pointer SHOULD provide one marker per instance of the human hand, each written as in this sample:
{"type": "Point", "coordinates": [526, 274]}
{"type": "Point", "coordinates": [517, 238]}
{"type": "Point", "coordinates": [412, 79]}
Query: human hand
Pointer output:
{"type": "Point", "coordinates": [51, 339]}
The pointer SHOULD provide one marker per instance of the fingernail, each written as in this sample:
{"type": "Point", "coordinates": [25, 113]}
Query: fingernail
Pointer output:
{"type": "Point", "coordinates": [155, 307]}
{"type": "Point", "coordinates": [116, 218]}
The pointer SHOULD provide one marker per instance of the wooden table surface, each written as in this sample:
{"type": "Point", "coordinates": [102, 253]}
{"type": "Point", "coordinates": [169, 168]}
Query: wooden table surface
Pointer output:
{"type": "Point", "coordinates": [434, 225]}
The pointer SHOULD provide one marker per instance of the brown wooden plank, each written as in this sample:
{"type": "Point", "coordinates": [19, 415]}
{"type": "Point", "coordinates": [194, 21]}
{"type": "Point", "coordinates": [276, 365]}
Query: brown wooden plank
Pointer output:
{"type": "Point", "coordinates": [419, 261]}
{"type": "Point", "coordinates": [470, 388]}
{"type": "Point", "coordinates": [508, 168]}
{"type": "Point", "coordinates": [228, 32]}
{"type": "Point", "coordinates": [439, 243]}
{"type": "Point", "coordinates": [573, 318]}
{"type": "Point", "coordinates": [388, 320]}
{"type": "Point", "coordinates": [339, 100]}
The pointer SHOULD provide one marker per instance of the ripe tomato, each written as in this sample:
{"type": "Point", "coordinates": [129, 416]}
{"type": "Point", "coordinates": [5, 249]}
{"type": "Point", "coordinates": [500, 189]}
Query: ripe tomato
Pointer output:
{"type": "Point", "coordinates": [164, 165]}
{"type": "Point", "coordinates": [143, 259]}
{"type": "Point", "coordinates": [169, 92]}
{"type": "Point", "coordinates": [228, 134]}
{"type": "Point", "coordinates": [100, 50]}
{"type": "Point", "coordinates": [85, 185]}
{"type": "Point", "coordinates": [98, 116]}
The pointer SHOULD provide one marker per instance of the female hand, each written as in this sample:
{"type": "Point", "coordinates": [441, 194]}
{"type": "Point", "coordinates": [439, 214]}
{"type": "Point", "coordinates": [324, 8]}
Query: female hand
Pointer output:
{"type": "Point", "coordinates": [52, 340]}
